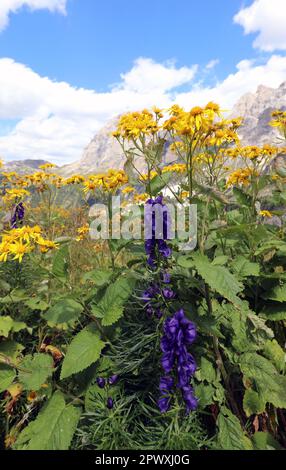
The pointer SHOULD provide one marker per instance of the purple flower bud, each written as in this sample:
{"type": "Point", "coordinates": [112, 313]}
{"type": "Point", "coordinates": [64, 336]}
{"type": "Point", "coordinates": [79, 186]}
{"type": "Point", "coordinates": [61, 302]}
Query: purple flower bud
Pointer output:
{"type": "Point", "coordinates": [166, 278]}
{"type": "Point", "coordinates": [164, 404]}
{"type": "Point", "coordinates": [168, 293]}
{"type": "Point", "coordinates": [110, 403]}
{"type": "Point", "coordinates": [166, 383]}
{"type": "Point", "coordinates": [100, 382]}
{"type": "Point", "coordinates": [113, 379]}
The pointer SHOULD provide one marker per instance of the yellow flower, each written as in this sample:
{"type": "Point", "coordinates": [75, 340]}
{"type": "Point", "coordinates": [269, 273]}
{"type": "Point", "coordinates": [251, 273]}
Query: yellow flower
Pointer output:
{"type": "Point", "coordinates": [241, 176]}
{"type": "Point", "coordinates": [265, 213]}
{"type": "Point", "coordinates": [128, 190]}
{"type": "Point", "coordinates": [13, 195]}
{"type": "Point", "coordinates": [18, 250]}
{"type": "Point", "coordinates": [176, 168]}
{"type": "Point", "coordinates": [139, 198]}
{"type": "Point", "coordinates": [82, 232]}
{"type": "Point", "coordinates": [47, 166]}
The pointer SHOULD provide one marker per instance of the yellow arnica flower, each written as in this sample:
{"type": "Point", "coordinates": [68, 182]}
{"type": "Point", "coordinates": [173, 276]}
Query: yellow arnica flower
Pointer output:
{"type": "Point", "coordinates": [265, 214]}
{"type": "Point", "coordinates": [139, 198]}
{"type": "Point", "coordinates": [128, 190]}
{"type": "Point", "coordinates": [18, 249]}
{"type": "Point", "coordinates": [47, 166]}
{"type": "Point", "coordinates": [176, 168]}
{"type": "Point", "coordinates": [82, 232]}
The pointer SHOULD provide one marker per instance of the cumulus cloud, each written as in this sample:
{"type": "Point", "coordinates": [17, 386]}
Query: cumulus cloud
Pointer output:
{"type": "Point", "coordinates": [56, 121]}
{"type": "Point", "coordinates": [13, 6]}
{"type": "Point", "coordinates": [267, 18]}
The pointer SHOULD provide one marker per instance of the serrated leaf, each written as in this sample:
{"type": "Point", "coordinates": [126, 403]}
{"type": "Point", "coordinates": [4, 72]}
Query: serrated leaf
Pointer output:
{"type": "Point", "coordinates": [35, 370]}
{"type": "Point", "coordinates": [205, 394]}
{"type": "Point", "coordinates": [253, 403]}
{"type": "Point", "coordinates": [10, 350]}
{"type": "Point", "coordinates": [274, 312]}
{"type": "Point", "coordinates": [270, 385]}
{"type": "Point", "coordinates": [83, 351]}
{"type": "Point", "coordinates": [61, 263]}
{"type": "Point", "coordinates": [7, 375]}
{"type": "Point", "coordinates": [264, 441]}
{"type": "Point", "coordinates": [275, 354]}
{"type": "Point", "coordinates": [207, 371]}
{"type": "Point", "coordinates": [159, 182]}
{"type": "Point", "coordinates": [278, 293]}
{"type": "Point", "coordinates": [231, 436]}
{"type": "Point", "coordinates": [63, 313]}
{"type": "Point", "coordinates": [7, 325]}
{"type": "Point", "coordinates": [53, 428]}
{"type": "Point", "coordinates": [100, 277]}
{"type": "Point", "coordinates": [242, 267]}
{"type": "Point", "coordinates": [218, 278]}
{"type": "Point", "coordinates": [36, 303]}
{"type": "Point", "coordinates": [110, 307]}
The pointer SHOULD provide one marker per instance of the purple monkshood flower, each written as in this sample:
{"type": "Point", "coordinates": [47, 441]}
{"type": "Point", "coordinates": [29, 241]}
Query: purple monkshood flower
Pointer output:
{"type": "Point", "coordinates": [113, 379]}
{"type": "Point", "coordinates": [156, 241]}
{"type": "Point", "coordinates": [18, 216]}
{"type": "Point", "coordinates": [168, 293]}
{"type": "Point", "coordinates": [166, 383]}
{"type": "Point", "coordinates": [166, 278]}
{"type": "Point", "coordinates": [110, 403]}
{"type": "Point", "coordinates": [179, 332]}
{"type": "Point", "coordinates": [164, 404]}
{"type": "Point", "coordinates": [100, 382]}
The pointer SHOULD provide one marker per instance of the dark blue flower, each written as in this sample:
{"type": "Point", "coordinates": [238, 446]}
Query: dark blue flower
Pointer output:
{"type": "Point", "coordinates": [113, 379]}
{"type": "Point", "coordinates": [18, 215]}
{"type": "Point", "coordinates": [164, 404]}
{"type": "Point", "coordinates": [100, 382]}
{"type": "Point", "coordinates": [110, 403]}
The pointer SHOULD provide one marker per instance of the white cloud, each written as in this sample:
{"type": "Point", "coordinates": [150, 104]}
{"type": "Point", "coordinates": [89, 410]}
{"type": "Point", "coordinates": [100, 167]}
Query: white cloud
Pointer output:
{"type": "Point", "coordinates": [268, 19]}
{"type": "Point", "coordinates": [212, 64]}
{"type": "Point", "coordinates": [13, 6]}
{"type": "Point", "coordinates": [56, 120]}
{"type": "Point", "coordinates": [247, 78]}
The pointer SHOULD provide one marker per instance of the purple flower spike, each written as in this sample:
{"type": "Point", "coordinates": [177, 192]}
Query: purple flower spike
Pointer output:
{"type": "Point", "coordinates": [179, 332]}
{"type": "Point", "coordinates": [100, 382]}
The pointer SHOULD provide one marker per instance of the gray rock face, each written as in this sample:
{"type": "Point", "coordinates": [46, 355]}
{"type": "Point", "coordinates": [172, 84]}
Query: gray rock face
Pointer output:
{"type": "Point", "coordinates": [256, 110]}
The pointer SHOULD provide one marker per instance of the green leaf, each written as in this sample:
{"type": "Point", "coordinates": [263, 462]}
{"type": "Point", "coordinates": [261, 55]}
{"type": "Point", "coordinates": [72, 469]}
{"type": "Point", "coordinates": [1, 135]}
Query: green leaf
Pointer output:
{"type": "Point", "coordinates": [264, 441]}
{"type": "Point", "coordinates": [63, 314]}
{"type": "Point", "coordinates": [83, 351]}
{"type": "Point", "coordinates": [10, 350]}
{"type": "Point", "coordinates": [110, 307]}
{"type": "Point", "coordinates": [35, 370]}
{"type": "Point", "coordinates": [275, 354]}
{"type": "Point", "coordinates": [7, 375]}
{"type": "Point", "coordinates": [241, 197]}
{"type": "Point", "coordinates": [53, 428]}
{"type": "Point", "coordinates": [100, 277]}
{"type": "Point", "coordinates": [270, 385]}
{"type": "Point", "coordinates": [218, 278]}
{"type": "Point", "coordinates": [253, 403]}
{"type": "Point", "coordinates": [274, 312]}
{"type": "Point", "coordinates": [205, 394]}
{"type": "Point", "coordinates": [35, 303]}
{"type": "Point", "coordinates": [7, 325]}
{"type": "Point", "coordinates": [278, 294]}
{"type": "Point", "coordinates": [61, 263]}
{"type": "Point", "coordinates": [207, 371]}
{"type": "Point", "coordinates": [231, 436]}
{"type": "Point", "coordinates": [159, 182]}
{"type": "Point", "coordinates": [242, 267]}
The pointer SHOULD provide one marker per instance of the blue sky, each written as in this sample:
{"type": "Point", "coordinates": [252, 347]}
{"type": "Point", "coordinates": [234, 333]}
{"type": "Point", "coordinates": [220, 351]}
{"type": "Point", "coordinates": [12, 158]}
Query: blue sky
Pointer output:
{"type": "Point", "coordinates": [68, 66]}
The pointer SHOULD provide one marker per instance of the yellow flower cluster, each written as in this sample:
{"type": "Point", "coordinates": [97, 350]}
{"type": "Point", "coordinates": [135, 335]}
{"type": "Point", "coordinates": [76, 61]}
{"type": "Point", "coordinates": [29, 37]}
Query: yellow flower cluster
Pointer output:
{"type": "Point", "coordinates": [82, 232]}
{"type": "Point", "coordinates": [110, 181]}
{"type": "Point", "coordinates": [265, 213]}
{"type": "Point", "coordinates": [175, 168]}
{"type": "Point", "coordinates": [132, 125]}
{"type": "Point", "coordinates": [14, 195]}
{"type": "Point", "coordinates": [279, 120]}
{"type": "Point", "coordinates": [17, 242]}
{"type": "Point", "coordinates": [241, 176]}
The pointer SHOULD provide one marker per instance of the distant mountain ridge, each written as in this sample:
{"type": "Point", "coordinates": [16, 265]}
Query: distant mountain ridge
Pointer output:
{"type": "Point", "coordinates": [24, 166]}
{"type": "Point", "coordinates": [104, 152]}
